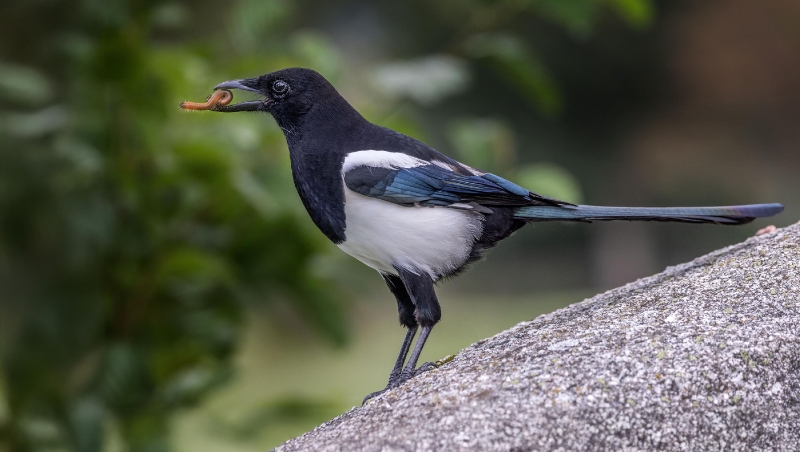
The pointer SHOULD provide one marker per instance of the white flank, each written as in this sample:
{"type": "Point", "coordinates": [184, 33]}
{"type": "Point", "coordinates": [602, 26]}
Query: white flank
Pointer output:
{"type": "Point", "coordinates": [432, 240]}
{"type": "Point", "coordinates": [383, 235]}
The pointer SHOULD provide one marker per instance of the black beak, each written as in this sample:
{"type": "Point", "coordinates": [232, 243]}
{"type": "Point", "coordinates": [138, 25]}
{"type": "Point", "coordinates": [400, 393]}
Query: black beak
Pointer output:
{"type": "Point", "coordinates": [247, 84]}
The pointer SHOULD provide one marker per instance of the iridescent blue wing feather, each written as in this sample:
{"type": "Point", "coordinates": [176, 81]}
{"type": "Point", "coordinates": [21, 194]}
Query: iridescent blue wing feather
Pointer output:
{"type": "Point", "coordinates": [433, 185]}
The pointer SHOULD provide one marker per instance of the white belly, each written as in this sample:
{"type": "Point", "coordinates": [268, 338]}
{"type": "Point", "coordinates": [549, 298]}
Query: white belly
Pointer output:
{"type": "Point", "coordinates": [432, 240]}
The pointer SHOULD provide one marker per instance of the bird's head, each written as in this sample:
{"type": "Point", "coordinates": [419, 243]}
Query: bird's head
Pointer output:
{"type": "Point", "coordinates": [287, 94]}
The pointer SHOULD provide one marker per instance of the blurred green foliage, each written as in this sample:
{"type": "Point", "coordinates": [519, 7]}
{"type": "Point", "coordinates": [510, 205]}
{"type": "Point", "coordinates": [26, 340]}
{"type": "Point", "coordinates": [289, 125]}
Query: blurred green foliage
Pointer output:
{"type": "Point", "coordinates": [133, 235]}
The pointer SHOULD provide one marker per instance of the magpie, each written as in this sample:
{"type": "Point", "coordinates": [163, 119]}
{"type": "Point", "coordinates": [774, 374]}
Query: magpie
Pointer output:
{"type": "Point", "coordinates": [404, 209]}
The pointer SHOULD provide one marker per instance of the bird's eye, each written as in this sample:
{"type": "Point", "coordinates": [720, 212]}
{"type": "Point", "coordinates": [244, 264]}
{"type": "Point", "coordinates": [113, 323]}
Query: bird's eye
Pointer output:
{"type": "Point", "coordinates": [280, 87]}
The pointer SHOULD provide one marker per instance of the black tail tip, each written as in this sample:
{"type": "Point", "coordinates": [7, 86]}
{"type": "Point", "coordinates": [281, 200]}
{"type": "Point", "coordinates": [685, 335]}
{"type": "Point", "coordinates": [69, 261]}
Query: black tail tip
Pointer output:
{"type": "Point", "coordinates": [766, 210]}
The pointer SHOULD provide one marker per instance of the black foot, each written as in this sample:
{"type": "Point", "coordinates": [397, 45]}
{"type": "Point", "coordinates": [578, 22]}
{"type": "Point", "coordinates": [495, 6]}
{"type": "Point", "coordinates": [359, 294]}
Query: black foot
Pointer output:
{"type": "Point", "coordinates": [407, 375]}
{"type": "Point", "coordinates": [374, 394]}
{"type": "Point", "coordinates": [396, 379]}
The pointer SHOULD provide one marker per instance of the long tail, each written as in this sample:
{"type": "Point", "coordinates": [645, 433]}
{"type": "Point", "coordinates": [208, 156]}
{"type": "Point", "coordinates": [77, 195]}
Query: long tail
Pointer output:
{"type": "Point", "coordinates": [718, 215]}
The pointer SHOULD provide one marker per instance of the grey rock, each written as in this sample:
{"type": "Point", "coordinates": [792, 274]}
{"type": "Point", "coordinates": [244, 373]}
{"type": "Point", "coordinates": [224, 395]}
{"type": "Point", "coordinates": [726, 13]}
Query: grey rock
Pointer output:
{"type": "Point", "coordinates": [704, 356]}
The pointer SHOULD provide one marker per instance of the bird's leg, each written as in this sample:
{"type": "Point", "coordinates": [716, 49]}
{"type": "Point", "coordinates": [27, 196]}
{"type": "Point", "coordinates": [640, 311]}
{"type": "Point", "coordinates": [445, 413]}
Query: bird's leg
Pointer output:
{"type": "Point", "coordinates": [417, 306]}
{"type": "Point", "coordinates": [427, 313]}
{"type": "Point", "coordinates": [405, 310]}
{"type": "Point", "coordinates": [401, 357]}
{"type": "Point", "coordinates": [411, 369]}
{"type": "Point", "coordinates": [397, 371]}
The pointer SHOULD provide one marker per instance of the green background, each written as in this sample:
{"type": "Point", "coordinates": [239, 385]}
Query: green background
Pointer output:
{"type": "Point", "coordinates": [161, 286]}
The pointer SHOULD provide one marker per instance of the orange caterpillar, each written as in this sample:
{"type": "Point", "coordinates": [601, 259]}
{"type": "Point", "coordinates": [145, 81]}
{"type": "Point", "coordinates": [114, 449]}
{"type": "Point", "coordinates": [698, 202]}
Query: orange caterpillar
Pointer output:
{"type": "Point", "coordinates": [221, 97]}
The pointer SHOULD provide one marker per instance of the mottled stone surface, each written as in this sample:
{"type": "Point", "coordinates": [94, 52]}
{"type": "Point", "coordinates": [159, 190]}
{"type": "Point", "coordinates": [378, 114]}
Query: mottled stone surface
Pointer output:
{"type": "Point", "coordinates": [704, 356]}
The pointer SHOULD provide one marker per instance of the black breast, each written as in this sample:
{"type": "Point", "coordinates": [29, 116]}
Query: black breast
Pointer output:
{"type": "Point", "coordinates": [318, 179]}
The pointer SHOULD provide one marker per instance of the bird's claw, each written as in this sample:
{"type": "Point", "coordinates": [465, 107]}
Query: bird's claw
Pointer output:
{"type": "Point", "coordinates": [398, 378]}
{"type": "Point", "coordinates": [407, 374]}
{"type": "Point", "coordinates": [425, 367]}
{"type": "Point", "coordinates": [372, 395]}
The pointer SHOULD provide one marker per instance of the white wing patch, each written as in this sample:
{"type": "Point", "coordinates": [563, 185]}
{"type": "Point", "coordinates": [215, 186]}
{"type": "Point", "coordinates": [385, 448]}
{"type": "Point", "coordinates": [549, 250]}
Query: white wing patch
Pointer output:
{"type": "Point", "coordinates": [380, 159]}
{"type": "Point", "coordinates": [384, 235]}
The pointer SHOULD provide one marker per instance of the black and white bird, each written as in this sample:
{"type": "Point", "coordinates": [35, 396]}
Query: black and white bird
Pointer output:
{"type": "Point", "coordinates": [411, 213]}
